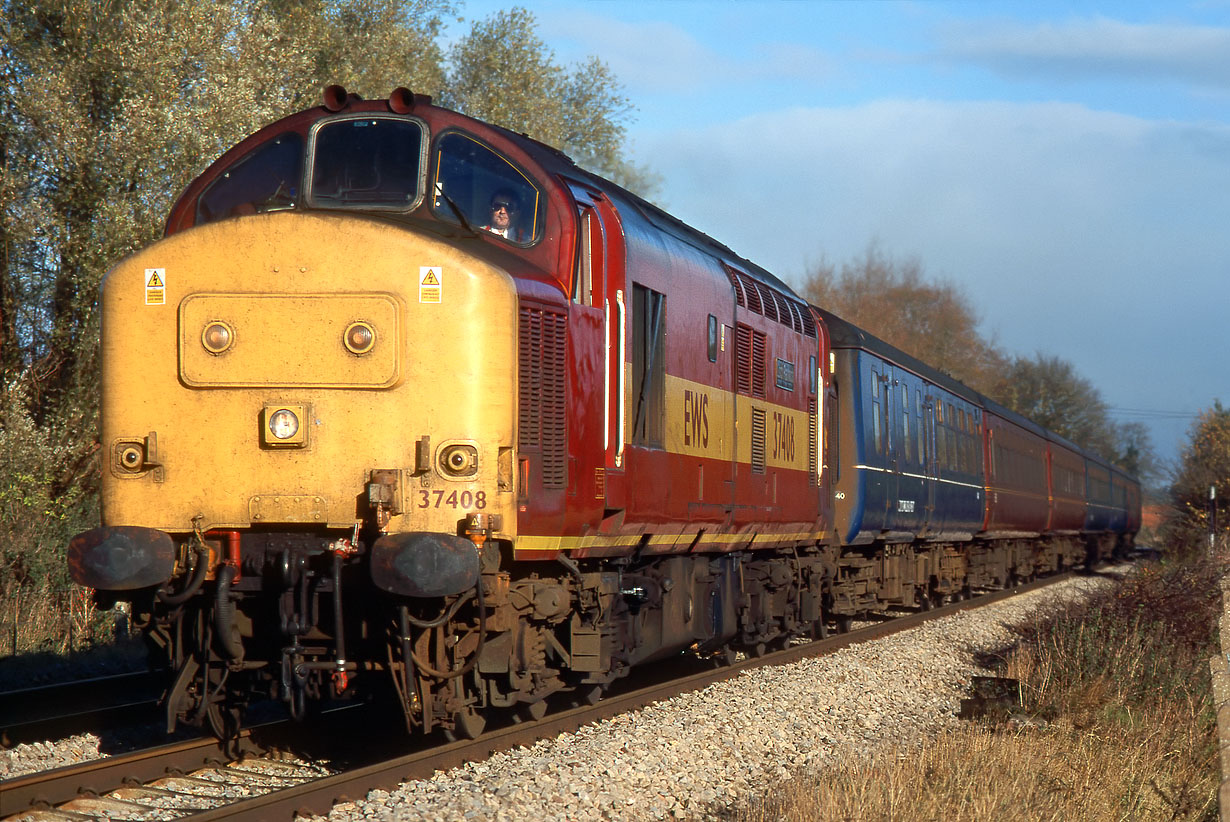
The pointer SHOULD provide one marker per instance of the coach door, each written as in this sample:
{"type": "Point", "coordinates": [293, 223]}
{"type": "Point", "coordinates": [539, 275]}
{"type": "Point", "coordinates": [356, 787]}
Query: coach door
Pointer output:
{"type": "Point", "coordinates": [883, 475]}
{"type": "Point", "coordinates": [930, 465]}
{"type": "Point", "coordinates": [598, 284]}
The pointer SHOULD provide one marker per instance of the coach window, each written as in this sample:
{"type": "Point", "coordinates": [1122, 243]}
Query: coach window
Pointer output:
{"type": "Point", "coordinates": [963, 440]}
{"type": "Point", "coordinates": [875, 424]}
{"type": "Point", "coordinates": [941, 437]}
{"type": "Point", "coordinates": [470, 180]}
{"type": "Point", "coordinates": [906, 442]}
{"type": "Point", "coordinates": [267, 179]}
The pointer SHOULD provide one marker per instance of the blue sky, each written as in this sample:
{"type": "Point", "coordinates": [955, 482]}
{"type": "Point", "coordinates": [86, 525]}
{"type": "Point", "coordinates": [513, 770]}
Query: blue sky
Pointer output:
{"type": "Point", "coordinates": [1067, 165]}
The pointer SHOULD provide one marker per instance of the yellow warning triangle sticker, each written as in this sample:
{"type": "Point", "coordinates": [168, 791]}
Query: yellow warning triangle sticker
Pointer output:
{"type": "Point", "coordinates": [430, 278]}
{"type": "Point", "coordinates": [154, 281]}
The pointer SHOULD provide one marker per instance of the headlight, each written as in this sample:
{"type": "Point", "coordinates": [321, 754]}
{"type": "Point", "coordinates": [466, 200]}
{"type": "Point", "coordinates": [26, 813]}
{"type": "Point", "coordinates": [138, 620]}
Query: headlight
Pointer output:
{"type": "Point", "coordinates": [283, 425]}
{"type": "Point", "coordinates": [458, 461]}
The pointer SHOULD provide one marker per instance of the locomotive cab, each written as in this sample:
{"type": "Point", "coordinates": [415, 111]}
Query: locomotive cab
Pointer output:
{"type": "Point", "coordinates": [309, 394]}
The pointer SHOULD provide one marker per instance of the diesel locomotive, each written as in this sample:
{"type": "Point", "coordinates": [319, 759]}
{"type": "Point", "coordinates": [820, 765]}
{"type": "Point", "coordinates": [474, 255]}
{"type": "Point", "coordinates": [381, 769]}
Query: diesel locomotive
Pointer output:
{"type": "Point", "coordinates": [406, 403]}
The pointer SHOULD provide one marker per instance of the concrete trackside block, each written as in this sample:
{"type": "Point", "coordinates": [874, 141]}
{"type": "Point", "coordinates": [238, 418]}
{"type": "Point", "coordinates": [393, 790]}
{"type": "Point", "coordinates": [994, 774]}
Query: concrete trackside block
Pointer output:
{"type": "Point", "coordinates": [1219, 668]}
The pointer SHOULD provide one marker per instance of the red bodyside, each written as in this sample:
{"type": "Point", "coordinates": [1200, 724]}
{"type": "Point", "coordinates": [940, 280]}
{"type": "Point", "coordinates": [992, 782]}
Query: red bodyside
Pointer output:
{"type": "Point", "coordinates": [1067, 510]}
{"type": "Point", "coordinates": [1017, 483]}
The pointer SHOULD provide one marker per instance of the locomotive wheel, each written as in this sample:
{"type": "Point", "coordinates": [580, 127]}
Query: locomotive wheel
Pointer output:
{"type": "Point", "coordinates": [844, 623]}
{"type": "Point", "coordinates": [591, 695]}
{"type": "Point", "coordinates": [468, 724]}
{"type": "Point", "coordinates": [820, 629]}
{"type": "Point", "coordinates": [923, 599]}
{"type": "Point", "coordinates": [224, 719]}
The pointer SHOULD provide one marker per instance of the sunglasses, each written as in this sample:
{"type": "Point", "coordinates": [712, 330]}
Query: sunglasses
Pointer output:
{"type": "Point", "coordinates": [496, 206]}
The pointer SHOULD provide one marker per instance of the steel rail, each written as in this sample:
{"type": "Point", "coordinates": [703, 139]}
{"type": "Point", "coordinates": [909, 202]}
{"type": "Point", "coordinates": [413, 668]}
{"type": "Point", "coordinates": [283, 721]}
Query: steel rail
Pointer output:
{"type": "Point", "coordinates": [318, 796]}
{"type": "Point", "coordinates": [47, 789]}
{"type": "Point", "coordinates": [51, 711]}
{"type": "Point", "coordinates": [44, 791]}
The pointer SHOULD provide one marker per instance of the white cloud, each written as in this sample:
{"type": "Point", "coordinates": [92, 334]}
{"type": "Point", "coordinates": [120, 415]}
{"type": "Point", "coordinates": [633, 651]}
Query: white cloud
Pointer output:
{"type": "Point", "coordinates": [1092, 235]}
{"type": "Point", "coordinates": [663, 58]}
{"type": "Point", "coordinates": [1097, 48]}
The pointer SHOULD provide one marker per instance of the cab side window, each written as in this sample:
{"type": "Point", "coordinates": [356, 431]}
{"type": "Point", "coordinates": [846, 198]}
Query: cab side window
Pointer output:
{"type": "Point", "coordinates": [477, 186]}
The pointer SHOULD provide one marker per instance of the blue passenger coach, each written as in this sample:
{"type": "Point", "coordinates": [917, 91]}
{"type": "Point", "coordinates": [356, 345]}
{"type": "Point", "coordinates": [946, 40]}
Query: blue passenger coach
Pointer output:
{"type": "Point", "coordinates": [908, 461]}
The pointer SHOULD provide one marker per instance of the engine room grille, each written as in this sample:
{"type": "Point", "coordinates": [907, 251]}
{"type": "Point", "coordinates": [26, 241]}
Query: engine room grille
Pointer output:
{"type": "Point", "coordinates": [758, 437]}
{"type": "Point", "coordinates": [542, 367]}
{"type": "Point", "coordinates": [756, 296]}
{"type": "Point", "coordinates": [813, 431]}
{"type": "Point", "coordinates": [750, 346]}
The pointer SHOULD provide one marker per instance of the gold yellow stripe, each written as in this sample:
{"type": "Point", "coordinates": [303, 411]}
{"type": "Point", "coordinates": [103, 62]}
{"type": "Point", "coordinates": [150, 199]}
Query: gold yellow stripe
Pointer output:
{"type": "Point", "coordinates": [701, 421]}
{"type": "Point", "coordinates": [533, 542]}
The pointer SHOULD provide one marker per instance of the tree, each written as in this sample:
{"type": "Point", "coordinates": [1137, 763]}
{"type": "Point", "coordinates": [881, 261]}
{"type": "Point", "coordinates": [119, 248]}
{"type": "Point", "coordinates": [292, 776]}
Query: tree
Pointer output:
{"type": "Point", "coordinates": [1048, 390]}
{"type": "Point", "coordinates": [935, 323]}
{"type": "Point", "coordinates": [1135, 452]}
{"type": "Point", "coordinates": [1204, 464]}
{"type": "Point", "coordinates": [931, 321]}
{"type": "Point", "coordinates": [504, 73]}
{"type": "Point", "coordinates": [108, 108]}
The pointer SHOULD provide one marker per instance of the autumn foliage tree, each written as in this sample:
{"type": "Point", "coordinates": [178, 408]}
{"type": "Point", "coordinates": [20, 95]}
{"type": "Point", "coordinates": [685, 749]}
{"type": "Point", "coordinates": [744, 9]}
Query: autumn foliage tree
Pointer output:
{"type": "Point", "coordinates": [504, 73]}
{"type": "Point", "coordinates": [892, 299]}
{"type": "Point", "coordinates": [1204, 464]}
{"type": "Point", "coordinates": [935, 322]}
{"type": "Point", "coordinates": [108, 109]}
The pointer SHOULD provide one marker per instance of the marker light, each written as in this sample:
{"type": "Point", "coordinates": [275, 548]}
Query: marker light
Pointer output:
{"type": "Point", "coordinates": [217, 337]}
{"type": "Point", "coordinates": [359, 338]}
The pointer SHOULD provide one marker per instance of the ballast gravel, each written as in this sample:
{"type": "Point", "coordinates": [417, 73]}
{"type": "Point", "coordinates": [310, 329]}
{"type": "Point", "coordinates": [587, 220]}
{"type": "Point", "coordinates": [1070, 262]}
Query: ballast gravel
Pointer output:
{"type": "Point", "coordinates": [696, 755]}
{"type": "Point", "coordinates": [699, 754]}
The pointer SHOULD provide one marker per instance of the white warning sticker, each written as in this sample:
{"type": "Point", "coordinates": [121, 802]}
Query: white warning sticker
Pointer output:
{"type": "Point", "coordinates": [155, 286]}
{"type": "Point", "coordinates": [431, 284]}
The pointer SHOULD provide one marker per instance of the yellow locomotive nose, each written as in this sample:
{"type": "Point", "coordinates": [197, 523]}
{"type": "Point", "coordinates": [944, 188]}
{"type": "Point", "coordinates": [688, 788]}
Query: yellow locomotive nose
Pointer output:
{"type": "Point", "coordinates": [285, 377]}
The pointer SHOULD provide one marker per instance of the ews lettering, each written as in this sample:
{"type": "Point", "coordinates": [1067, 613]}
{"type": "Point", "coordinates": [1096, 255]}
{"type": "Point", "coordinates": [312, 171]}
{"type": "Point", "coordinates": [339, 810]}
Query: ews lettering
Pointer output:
{"type": "Point", "coordinates": [783, 437]}
{"type": "Point", "coordinates": [695, 418]}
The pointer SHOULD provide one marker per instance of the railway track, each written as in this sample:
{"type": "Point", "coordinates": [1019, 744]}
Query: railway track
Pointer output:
{"type": "Point", "coordinates": [176, 776]}
{"type": "Point", "coordinates": [94, 704]}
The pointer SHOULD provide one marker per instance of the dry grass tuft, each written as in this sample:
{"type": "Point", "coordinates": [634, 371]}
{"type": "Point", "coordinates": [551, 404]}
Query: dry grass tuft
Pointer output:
{"type": "Point", "coordinates": [1121, 724]}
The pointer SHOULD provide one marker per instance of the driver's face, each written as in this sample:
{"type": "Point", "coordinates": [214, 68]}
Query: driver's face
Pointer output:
{"type": "Point", "coordinates": [501, 215]}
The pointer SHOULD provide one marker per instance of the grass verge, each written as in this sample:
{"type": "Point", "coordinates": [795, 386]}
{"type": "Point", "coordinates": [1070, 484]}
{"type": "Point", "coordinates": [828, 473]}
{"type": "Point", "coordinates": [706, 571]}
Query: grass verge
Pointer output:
{"type": "Point", "coordinates": [1116, 722]}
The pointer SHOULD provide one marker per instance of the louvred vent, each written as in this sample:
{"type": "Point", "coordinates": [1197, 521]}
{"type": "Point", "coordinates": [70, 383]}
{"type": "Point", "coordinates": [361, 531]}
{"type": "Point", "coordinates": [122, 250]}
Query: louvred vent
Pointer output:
{"type": "Point", "coordinates": [749, 361]}
{"type": "Point", "coordinates": [760, 298]}
{"type": "Point", "coordinates": [768, 306]}
{"type": "Point", "coordinates": [753, 297]}
{"type": "Point", "coordinates": [542, 367]}
{"type": "Point", "coordinates": [809, 323]}
{"type": "Point", "coordinates": [743, 359]}
{"type": "Point", "coordinates": [758, 440]}
{"type": "Point", "coordinates": [813, 431]}
{"type": "Point", "coordinates": [759, 369]}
